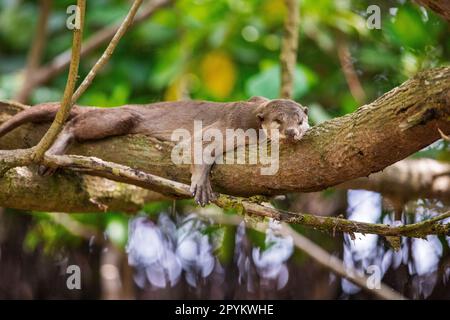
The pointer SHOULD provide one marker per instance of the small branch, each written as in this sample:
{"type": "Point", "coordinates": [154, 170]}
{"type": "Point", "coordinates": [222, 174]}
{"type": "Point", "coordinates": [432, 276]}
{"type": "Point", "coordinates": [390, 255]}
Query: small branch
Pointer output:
{"type": "Point", "coordinates": [333, 225]}
{"type": "Point", "coordinates": [74, 227]}
{"type": "Point", "coordinates": [120, 173]}
{"type": "Point", "coordinates": [172, 189]}
{"type": "Point", "coordinates": [66, 104]}
{"type": "Point", "coordinates": [35, 53]}
{"type": "Point", "coordinates": [116, 172]}
{"type": "Point", "coordinates": [60, 62]}
{"type": "Point", "coordinates": [14, 158]}
{"type": "Point", "coordinates": [351, 77]}
{"type": "Point", "coordinates": [71, 98]}
{"type": "Point", "coordinates": [337, 266]}
{"type": "Point", "coordinates": [108, 52]}
{"type": "Point", "coordinates": [288, 56]}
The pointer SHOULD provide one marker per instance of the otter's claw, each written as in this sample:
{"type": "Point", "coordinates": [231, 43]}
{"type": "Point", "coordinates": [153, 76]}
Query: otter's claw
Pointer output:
{"type": "Point", "coordinates": [202, 192]}
{"type": "Point", "coordinates": [46, 171]}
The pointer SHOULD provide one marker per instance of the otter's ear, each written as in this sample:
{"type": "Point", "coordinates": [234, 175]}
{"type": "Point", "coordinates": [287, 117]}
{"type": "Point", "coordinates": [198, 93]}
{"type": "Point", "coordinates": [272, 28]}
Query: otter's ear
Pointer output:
{"type": "Point", "coordinates": [258, 99]}
{"type": "Point", "coordinates": [305, 110]}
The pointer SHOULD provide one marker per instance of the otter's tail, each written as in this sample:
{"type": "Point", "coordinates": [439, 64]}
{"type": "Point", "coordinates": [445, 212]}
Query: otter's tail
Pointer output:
{"type": "Point", "coordinates": [40, 113]}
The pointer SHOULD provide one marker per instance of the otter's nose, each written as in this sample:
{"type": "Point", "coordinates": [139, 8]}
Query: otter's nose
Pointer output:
{"type": "Point", "coordinates": [291, 133]}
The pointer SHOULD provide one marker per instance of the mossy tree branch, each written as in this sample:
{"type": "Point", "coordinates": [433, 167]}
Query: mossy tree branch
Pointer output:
{"type": "Point", "coordinates": [22, 188]}
{"type": "Point", "coordinates": [396, 125]}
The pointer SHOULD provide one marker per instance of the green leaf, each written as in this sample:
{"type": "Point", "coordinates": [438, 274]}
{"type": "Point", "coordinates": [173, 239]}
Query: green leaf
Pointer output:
{"type": "Point", "coordinates": [410, 29]}
{"type": "Point", "coordinates": [317, 114]}
{"type": "Point", "coordinates": [223, 239]}
{"type": "Point", "coordinates": [267, 82]}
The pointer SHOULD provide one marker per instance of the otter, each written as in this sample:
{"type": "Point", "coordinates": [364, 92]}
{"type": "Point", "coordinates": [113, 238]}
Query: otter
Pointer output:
{"type": "Point", "coordinates": [160, 119]}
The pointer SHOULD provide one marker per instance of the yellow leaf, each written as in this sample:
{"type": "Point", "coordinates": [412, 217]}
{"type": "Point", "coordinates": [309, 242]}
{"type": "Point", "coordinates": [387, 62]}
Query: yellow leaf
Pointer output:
{"type": "Point", "coordinates": [275, 11]}
{"type": "Point", "coordinates": [173, 92]}
{"type": "Point", "coordinates": [178, 89]}
{"type": "Point", "coordinates": [218, 73]}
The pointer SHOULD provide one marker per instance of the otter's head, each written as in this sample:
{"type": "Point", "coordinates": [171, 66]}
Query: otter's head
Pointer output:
{"type": "Point", "coordinates": [289, 117]}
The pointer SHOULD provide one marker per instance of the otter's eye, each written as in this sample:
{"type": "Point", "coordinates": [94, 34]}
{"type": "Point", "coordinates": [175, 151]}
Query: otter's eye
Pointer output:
{"type": "Point", "coordinates": [300, 122]}
{"type": "Point", "coordinates": [278, 121]}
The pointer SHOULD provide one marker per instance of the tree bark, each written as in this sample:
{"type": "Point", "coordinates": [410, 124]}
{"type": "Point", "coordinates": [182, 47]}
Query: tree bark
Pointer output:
{"type": "Point", "coordinates": [399, 123]}
{"type": "Point", "coordinates": [441, 7]}
{"type": "Point", "coordinates": [22, 188]}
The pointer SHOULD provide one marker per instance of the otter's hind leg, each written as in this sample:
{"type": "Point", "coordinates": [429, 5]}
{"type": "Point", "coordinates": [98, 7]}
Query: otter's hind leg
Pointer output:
{"type": "Point", "coordinates": [63, 141]}
{"type": "Point", "coordinates": [92, 125]}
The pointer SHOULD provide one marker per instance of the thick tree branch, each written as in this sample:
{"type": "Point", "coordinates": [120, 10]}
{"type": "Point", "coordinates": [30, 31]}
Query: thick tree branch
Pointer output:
{"type": "Point", "coordinates": [411, 116]}
{"type": "Point", "coordinates": [406, 180]}
{"type": "Point", "coordinates": [399, 123]}
{"type": "Point", "coordinates": [22, 188]}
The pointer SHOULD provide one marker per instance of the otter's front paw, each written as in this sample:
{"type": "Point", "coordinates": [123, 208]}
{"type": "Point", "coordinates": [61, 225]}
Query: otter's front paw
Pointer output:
{"type": "Point", "coordinates": [46, 171]}
{"type": "Point", "coordinates": [202, 192]}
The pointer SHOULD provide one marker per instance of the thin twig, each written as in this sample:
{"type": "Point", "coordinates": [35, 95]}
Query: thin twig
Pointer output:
{"type": "Point", "coordinates": [14, 158]}
{"type": "Point", "coordinates": [66, 104]}
{"type": "Point", "coordinates": [73, 226]}
{"type": "Point", "coordinates": [331, 224]}
{"type": "Point", "coordinates": [288, 56]}
{"type": "Point", "coordinates": [337, 266]}
{"type": "Point", "coordinates": [350, 74]}
{"type": "Point", "coordinates": [35, 53]}
{"type": "Point", "coordinates": [108, 52]}
{"type": "Point", "coordinates": [65, 107]}
{"type": "Point", "coordinates": [61, 61]}
{"type": "Point", "coordinates": [314, 251]}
